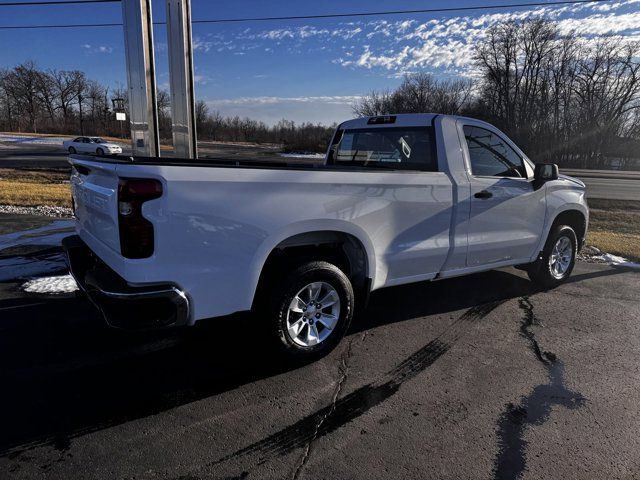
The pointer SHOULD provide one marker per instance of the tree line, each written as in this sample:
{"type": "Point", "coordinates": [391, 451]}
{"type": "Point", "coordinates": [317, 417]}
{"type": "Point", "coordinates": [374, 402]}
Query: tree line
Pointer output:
{"type": "Point", "coordinates": [560, 98]}
{"type": "Point", "coordinates": [304, 137]}
{"type": "Point", "coordinates": [55, 101]}
{"type": "Point", "coordinates": [67, 102]}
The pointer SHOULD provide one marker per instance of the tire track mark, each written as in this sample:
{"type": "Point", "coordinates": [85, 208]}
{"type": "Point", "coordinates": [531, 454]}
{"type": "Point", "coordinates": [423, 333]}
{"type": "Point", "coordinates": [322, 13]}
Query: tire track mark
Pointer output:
{"type": "Point", "coordinates": [360, 401]}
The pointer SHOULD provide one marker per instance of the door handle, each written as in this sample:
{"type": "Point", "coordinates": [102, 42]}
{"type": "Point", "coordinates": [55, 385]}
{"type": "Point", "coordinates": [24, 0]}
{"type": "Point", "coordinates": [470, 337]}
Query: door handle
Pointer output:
{"type": "Point", "coordinates": [484, 194]}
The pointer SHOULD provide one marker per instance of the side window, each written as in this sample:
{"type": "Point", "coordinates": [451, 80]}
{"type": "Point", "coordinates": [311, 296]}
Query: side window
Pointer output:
{"type": "Point", "coordinates": [409, 148]}
{"type": "Point", "coordinates": [77, 140]}
{"type": "Point", "coordinates": [491, 156]}
{"type": "Point", "coordinates": [86, 140]}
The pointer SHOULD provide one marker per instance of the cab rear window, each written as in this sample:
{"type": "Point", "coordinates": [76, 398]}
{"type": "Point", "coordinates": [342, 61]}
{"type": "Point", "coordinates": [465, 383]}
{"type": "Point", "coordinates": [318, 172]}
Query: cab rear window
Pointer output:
{"type": "Point", "coordinates": [397, 148]}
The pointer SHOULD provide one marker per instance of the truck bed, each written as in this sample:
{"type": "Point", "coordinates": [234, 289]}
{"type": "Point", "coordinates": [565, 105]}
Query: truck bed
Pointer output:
{"type": "Point", "coordinates": [216, 223]}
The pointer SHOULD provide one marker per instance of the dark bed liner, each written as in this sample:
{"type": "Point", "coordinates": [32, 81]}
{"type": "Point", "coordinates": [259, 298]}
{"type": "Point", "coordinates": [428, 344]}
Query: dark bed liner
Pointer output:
{"type": "Point", "coordinates": [226, 163]}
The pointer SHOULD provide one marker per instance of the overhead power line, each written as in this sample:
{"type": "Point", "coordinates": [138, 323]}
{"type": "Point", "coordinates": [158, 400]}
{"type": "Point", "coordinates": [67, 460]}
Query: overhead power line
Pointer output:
{"type": "Point", "coordinates": [75, 25]}
{"type": "Point", "coordinates": [305, 17]}
{"type": "Point", "coordinates": [395, 12]}
{"type": "Point", "coordinates": [54, 2]}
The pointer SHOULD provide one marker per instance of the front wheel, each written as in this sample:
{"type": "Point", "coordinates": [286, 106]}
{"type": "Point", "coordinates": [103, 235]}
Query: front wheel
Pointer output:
{"type": "Point", "coordinates": [310, 311]}
{"type": "Point", "coordinates": [100, 152]}
{"type": "Point", "coordinates": [557, 260]}
{"type": "Point", "coordinates": [72, 150]}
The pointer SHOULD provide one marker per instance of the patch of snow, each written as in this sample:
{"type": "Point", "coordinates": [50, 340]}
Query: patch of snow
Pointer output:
{"type": "Point", "coordinates": [303, 155]}
{"type": "Point", "coordinates": [32, 140]}
{"type": "Point", "coordinates": [40, 210]}
{"type": "Point", "coordinates": [616, 260]}
{"type": "Point", "coordinates": [591, 254]}
{"type": "Point", "coordinates": [51, 285]}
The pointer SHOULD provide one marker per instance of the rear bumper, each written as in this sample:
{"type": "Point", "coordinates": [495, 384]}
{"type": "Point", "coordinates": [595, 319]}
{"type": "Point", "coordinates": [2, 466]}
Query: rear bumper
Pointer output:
{"type": "Point", "coordinates": [123, 305]}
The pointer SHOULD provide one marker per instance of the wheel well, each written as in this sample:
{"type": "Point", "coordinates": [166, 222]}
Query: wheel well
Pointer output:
{"type": "Point", "coordinates": [341, 249]}
{"type": "Point", "coordinates": [576, 220]}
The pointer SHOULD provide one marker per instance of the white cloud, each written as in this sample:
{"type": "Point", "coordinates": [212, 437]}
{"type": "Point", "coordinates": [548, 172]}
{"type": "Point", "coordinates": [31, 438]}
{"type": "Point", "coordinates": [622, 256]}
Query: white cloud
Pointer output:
{"type": "Point", "coordinates": [202, 45]}
{"type": "Point", "coordinates": [97, 49]}
{"type": "Point", "coordinates": [200, 79]}
{"type": "Point", "coordinates": [446, 44]}
{"type": "Point", "coordinates": [449, 44]}
{"type": "Point", "coordinates": [601, 24]}
{"type": "Point", "coordinates": [304, 32]}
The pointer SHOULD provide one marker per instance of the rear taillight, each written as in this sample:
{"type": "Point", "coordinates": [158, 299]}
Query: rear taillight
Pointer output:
{"type": "Point", "coordinates": [136, 232]}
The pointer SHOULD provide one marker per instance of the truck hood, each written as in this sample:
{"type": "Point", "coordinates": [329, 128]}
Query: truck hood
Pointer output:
{"type": "Point", "coordinates": [572, 179]}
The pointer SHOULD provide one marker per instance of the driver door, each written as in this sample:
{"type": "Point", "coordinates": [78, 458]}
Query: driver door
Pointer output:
{"type": "Point", "coordinates": [506, 214]}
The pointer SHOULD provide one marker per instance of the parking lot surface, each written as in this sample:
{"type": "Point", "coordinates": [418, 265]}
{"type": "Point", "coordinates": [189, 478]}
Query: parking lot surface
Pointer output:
{"type": "Point", "coordinates": [477, 377]}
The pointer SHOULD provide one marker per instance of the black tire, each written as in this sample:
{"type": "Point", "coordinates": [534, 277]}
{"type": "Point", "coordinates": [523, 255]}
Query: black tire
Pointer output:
{"type": "Point", "coordinates": [278, 300]}
{"type": "Point", "coordinates": [100, 152]}
{"type": "Point", "coordinates": [541, 271]}
{"type": "Point", "coordinates": [72, 150]}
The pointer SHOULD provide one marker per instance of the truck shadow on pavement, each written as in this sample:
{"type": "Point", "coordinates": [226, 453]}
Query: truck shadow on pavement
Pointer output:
{"type": "Point", "coordinates": [64, 374]}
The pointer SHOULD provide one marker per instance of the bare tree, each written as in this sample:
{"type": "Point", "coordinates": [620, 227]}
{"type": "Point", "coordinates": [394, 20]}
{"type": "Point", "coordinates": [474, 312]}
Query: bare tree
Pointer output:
{"type": "Point", "coordinates": [163, 101]}
{"type": "Point", "coordinates": [22, 86]}
{"type": "Point", "coordinates": [46, 94]}
{"type": "Point", "coordinates": [375, 103]}
{"type": "Point", "coordinates": [561, 99]}
{"type": "Point", "coordinates": [418, 93]}
{"type": "Point", "coordinates": [66, 84]}
{"type": "Point", "coordinates": [5, 98]}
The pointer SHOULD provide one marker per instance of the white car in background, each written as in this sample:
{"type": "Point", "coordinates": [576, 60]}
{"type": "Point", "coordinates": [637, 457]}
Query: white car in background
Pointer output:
{"type": "Point", "coordinates": [92, 145]}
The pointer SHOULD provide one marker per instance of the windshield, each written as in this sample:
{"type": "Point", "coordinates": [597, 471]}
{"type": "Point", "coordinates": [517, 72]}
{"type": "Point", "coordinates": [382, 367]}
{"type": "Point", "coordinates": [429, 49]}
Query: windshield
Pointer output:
{"type": "Point", "coordinates": [97, 140]}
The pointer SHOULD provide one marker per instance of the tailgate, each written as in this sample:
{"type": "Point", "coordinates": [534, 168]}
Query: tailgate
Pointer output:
{"type": "Point", "coordinates": [94, 187]}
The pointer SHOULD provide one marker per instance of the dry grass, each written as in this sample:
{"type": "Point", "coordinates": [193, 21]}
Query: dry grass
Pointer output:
{"type": "Point", "coordinates": [623, 244]}
{"type": "Point", "coordinates": [64, 135]}
{"type": "Point", "coordinates": [34, 176]}
{"type": "Point", "coordinates": [34, 187]}
{"type": "Point", "coordinates": [165, 144]}
{"type": "Point", "coordinates": [615, 228]}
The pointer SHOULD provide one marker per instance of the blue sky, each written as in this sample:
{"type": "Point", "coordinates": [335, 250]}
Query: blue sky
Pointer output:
{"type": "Point", "coordinates": [304, 70]}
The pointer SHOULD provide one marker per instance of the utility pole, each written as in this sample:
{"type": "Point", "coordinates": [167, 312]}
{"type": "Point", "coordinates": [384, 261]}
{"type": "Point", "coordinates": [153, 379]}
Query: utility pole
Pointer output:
{"type": "Point", "coordinates": [80, 110]}
{"type": "Point", "coordinates": [141, 77]}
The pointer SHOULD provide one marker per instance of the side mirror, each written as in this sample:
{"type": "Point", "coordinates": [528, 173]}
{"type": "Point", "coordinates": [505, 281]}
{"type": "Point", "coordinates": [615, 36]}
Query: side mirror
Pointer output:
{"type": "Point", "coordinates": [545, 172]}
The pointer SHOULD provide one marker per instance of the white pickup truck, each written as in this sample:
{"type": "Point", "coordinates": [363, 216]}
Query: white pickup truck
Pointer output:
{"type": "Point", "coordinates": [398, 199]}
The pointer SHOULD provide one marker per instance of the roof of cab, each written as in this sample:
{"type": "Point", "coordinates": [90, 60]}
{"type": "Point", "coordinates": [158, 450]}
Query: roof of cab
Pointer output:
{"type": "Point", "coordinates": [401, 120]}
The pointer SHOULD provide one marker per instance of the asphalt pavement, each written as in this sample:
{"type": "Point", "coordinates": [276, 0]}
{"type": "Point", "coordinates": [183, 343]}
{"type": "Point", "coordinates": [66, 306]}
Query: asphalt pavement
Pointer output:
{"type": "Point", "coordinates": [475, 377]}
{"type": "Point", "coordinates": [612, 188]}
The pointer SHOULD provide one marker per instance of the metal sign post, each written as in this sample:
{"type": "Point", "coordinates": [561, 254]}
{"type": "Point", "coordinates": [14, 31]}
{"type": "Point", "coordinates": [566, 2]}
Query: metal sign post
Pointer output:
{"type": "Point", "coordinates": [121, 116]}
{"type": "Point", "coordinates": [141, 77]}
{"type": "Point", "coordinates": [181, 78]}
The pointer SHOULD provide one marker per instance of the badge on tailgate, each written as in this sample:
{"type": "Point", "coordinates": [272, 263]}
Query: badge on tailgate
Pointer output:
{"type": "Point", "coordinates": [95, 197]}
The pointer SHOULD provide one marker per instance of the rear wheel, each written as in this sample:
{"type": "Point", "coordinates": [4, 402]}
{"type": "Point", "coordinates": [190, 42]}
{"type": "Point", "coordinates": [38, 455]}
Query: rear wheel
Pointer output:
{"type": "Point", "coordinates": [72, 150]}
{"type": "Point", "coordinates": [309, 311]}
{"type": "Point", "coordinates": [557, 260]}
{"type": "Point", "coordinates": [100, 152]}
